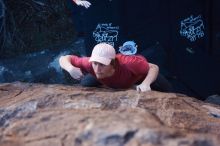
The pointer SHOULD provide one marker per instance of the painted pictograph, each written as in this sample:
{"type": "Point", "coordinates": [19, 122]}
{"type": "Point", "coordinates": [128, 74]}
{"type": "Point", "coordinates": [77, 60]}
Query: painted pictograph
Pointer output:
{"type": "Point", "coordinates": [192, 28]}
{"type": "Point", "coordinates": [128, 48]}
{"type": "Point", "coordinates": [106, 33]}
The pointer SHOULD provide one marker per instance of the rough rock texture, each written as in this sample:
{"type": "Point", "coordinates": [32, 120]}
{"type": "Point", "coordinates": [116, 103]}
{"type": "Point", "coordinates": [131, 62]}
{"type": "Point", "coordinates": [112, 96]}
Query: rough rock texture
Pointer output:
{"type": "Point", "coordinates": [57, 115]}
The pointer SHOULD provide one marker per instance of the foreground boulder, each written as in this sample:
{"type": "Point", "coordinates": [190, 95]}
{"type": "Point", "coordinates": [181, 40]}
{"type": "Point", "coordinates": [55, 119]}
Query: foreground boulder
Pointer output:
{"type": "Point", "coordinates": [58, 115]}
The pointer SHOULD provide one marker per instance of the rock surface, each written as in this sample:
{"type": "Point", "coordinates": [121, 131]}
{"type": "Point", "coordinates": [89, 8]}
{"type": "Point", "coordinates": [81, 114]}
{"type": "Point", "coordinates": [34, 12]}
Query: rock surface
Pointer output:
{"type": "Point", "coordinates": [39, 67]}
{"type": "Point", "coordinates": [58, 115]}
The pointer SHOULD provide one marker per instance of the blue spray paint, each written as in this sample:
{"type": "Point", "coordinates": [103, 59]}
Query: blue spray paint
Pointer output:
{"type": "Point", "coordinates": [192, 28]}
{"type": "Point", "coordinates": [128, 48]}
{"type": "Point", "coordinates": [106, 33]}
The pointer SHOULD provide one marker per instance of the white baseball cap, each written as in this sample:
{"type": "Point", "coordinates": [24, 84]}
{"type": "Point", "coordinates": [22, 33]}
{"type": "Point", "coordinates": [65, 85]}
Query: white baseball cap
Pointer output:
{"type": "Point", "coordinates": [103, 53]}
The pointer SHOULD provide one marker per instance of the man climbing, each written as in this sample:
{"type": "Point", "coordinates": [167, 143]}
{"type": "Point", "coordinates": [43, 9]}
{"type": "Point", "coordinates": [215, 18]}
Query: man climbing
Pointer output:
{"type": "Point", "coordinates": [118, 71]}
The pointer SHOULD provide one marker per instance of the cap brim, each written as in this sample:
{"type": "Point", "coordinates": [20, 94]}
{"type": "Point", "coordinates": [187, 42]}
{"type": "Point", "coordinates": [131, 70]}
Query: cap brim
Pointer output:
{"type": "Point", "coordinates": [102, 60]}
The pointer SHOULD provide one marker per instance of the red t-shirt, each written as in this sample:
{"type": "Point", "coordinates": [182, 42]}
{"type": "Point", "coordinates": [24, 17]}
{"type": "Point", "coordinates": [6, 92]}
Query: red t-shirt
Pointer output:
{"type": "Point", "coordinates": [129, 70]}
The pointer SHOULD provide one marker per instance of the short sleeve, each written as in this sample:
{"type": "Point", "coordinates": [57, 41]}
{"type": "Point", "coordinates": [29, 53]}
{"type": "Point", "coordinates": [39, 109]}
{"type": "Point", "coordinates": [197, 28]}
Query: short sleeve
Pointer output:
{"type": "Point", "coordinates": [137, 64]}
{"type": "Point", "coordinates": [82, 63]}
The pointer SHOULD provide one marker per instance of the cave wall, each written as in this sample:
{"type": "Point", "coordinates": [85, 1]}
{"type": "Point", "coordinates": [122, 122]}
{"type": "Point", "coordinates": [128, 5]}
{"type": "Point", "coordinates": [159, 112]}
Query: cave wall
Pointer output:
{"type": "Point", "coordinates": [187, 31]}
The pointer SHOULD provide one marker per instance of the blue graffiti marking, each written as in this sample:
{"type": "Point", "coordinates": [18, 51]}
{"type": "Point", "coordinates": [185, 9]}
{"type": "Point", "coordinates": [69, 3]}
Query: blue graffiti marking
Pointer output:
{"type": "Point", "coordinates": [106, 33]}
{"type": "Point", "coordinates": [128, 48]}
{"type": "Point", "coordinates": [192, 28]}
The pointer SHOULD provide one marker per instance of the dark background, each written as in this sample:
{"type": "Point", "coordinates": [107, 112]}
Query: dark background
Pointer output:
{"type": "Point", "coordinates": [155, 26]}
